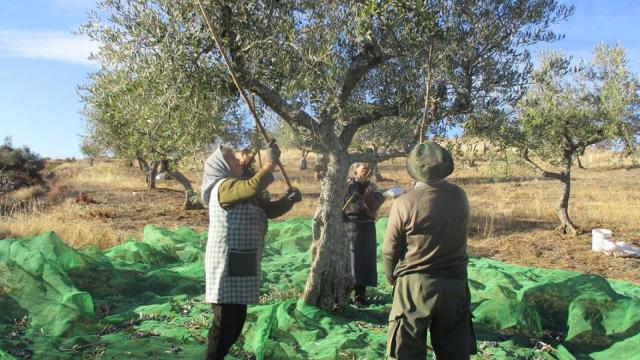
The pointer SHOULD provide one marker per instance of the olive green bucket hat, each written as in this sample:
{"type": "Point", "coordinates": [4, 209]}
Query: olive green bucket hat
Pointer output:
{"type": "Point", "coordinates": [429, 161]}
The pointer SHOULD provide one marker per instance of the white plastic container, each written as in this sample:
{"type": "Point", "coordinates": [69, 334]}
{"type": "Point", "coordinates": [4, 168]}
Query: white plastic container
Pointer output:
{"type": "Point", "coordinates": [393, 193]}
{"type": "Point", "coordinates": [601, 239]}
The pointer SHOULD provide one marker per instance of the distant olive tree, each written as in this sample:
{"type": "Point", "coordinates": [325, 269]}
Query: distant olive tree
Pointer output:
{"type": "Point", "coordinates": [567, 109]}
{"type": "Point", "coordinates": [91, 148]}
{"type": "Point", "coordinates": [154, 107]}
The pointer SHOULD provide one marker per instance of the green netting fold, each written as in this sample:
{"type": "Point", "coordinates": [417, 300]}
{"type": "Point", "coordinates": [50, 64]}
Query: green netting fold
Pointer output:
{"type": "Point", "coordinates": [143, 299]}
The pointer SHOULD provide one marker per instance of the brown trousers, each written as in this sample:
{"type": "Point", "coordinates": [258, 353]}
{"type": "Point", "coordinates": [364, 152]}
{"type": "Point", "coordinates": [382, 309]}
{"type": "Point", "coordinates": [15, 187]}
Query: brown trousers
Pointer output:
{"type": "Point", "coordinates": [440, 306]}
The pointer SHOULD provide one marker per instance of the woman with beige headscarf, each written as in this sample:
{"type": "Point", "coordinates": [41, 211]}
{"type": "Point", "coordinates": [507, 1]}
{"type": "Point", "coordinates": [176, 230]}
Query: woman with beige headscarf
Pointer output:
{"type": "Point", "coordinates": [359, 214]}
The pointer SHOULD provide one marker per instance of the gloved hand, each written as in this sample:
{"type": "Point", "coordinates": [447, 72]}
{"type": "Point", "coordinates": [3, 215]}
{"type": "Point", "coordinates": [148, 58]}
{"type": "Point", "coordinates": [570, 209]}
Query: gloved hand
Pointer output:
{"type": "Point", "coordinates": [360, 188]}
{"type": "Point", "coordinates": [294, 195]}
{"type": "Point", "coordinates": [271, 153]}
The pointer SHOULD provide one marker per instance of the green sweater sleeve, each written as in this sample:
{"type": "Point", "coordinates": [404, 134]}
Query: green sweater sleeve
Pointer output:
{"type": "Point", "coordinates": [233, 190]}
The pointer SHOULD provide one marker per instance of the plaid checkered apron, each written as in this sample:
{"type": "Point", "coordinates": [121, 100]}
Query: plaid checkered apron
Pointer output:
{"type": "Point", "coordinates": [234, 252]}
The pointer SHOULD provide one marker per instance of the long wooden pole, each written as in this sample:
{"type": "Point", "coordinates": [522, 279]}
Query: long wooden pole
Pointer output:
{"type": "Point", "coordinates": [427, 97]}
{"type": "Point", "coordinates": [252, 109]}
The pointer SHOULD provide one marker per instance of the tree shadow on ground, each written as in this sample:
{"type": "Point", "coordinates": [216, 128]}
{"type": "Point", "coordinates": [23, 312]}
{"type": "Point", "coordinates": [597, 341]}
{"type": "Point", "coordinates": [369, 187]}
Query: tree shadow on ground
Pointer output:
{"type": "Point", "coordinates": [474, 180]}
{"type": "Point", "coordinates": [483, 225]}
{"type": "Point", "coordinates": [612, 168]}
{"type": "Point", "coordinates": [163, 189]}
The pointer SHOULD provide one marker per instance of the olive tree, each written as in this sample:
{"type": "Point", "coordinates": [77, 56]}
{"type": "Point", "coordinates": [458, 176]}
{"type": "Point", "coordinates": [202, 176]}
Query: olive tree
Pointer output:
{"type": "Point", "coordinates": [91, 147]}
{"type": "Point", "coordinates": [329, 69]}
{"type": "Point", "coordinates": [568, 108]}
{"type": "Point", "coordinates": [154, 105]}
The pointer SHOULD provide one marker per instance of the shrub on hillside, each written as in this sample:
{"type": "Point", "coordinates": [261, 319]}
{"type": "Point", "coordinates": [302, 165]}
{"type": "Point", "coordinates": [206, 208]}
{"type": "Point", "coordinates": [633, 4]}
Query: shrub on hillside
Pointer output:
{"type": "Point", "coordinates": [19, 167]}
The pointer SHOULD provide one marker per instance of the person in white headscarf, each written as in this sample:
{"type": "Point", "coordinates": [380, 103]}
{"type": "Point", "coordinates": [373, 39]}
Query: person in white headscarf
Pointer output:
{"type": "Point", "coordinates": [239, 207]}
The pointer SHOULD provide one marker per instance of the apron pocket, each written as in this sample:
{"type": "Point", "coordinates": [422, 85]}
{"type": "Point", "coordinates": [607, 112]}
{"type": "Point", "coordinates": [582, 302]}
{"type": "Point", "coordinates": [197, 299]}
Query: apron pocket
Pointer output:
{"type": "Point", "coordinates": [242, 262]}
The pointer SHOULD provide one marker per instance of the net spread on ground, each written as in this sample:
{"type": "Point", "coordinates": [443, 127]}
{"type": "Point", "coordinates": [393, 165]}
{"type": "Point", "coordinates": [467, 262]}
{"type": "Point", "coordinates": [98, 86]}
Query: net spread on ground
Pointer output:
{"type": "Point", "coordinates": [143, 299]}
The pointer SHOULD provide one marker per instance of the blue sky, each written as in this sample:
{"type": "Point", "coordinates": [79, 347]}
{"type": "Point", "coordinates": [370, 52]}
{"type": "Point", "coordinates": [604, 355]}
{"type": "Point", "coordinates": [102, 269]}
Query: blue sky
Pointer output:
{"type": "Point", "coordinates": [42, 63]}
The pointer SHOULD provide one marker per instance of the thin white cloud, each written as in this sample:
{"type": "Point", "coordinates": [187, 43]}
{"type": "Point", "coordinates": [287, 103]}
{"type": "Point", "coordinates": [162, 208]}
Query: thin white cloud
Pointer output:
{"type": "Point", "coordinates": [47, 45]}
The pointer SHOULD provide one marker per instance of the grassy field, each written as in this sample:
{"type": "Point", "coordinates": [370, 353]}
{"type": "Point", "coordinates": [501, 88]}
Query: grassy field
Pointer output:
{"type": "Point", "coordinates": [513, 217]}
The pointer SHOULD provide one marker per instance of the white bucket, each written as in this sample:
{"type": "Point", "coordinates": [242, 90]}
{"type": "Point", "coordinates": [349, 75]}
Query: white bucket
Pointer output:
{"type": "Point", "coordinates": [393, 193]}
{"type": "Point", "coordinates": [600, 238]}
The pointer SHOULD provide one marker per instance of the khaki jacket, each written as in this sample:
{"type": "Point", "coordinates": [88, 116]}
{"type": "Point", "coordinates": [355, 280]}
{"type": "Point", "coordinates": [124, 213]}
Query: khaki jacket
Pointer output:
{"type": "Point", "coordinates": [427, 233]}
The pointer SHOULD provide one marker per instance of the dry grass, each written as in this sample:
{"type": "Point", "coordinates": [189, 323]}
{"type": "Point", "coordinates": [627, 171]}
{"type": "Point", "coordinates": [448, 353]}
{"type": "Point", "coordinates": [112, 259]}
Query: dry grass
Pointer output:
{"type": "Point", "coordinates": [512, 208]}
{"type": "Point", "coordinates": [68, 221]}
{"type": "Point", "coordinates": [57, 211]}
{"type": "Point", "coordinates": [103, 175]}
{"type": "Point", "coordinates": [514, 216]}
{"type": "Point", "coordinates": [601, 196]}
{"type": "Point", "coordinates": [20, 199]}
{"type": "Point", "coordinates": [23, 194]}
{"type": "Point", "coordinates": [123, 206]}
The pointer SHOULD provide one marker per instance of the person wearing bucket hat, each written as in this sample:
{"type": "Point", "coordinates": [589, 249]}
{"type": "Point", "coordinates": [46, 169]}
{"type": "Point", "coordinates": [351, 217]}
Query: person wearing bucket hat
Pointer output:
{"type": "Point", "coordinates": [425, 258]}
{"type": "Point", "coordinates": [429, 162]}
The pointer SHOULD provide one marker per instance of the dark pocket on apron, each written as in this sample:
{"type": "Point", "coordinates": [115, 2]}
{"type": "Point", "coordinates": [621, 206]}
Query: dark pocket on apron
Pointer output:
{"type": "Point", "coordinates": [242, 262]}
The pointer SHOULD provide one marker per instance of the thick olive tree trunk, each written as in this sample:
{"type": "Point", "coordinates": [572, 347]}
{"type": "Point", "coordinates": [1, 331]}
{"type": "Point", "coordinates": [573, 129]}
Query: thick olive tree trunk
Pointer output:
{"type": "Point", "coordinates": [377, 174]}
{"type": "Point", "coordinates": [192, 201]}
{"type": "Point", "coordinates": [150, 171]}
{"type": "Point", "coordinates": [562, 209]}
{"type": "Point", "coordinates": [153, 171]}
{"type": "Point", "coordinates": [330, 281]}
{"type": "Point", "coordinates": [303, 160]}
{"type": "Point", "coordinates": [164, 165]}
